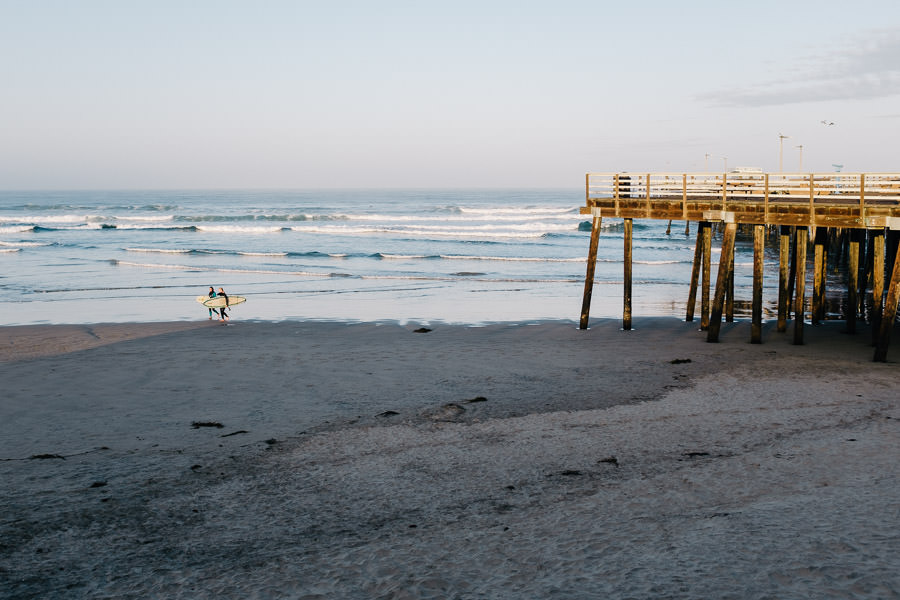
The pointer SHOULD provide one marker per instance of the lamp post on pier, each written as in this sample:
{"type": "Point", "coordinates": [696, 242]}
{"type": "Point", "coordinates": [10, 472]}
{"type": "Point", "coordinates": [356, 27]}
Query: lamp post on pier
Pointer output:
{"type": "Point", "coordinates": [800, 147]}
{"type": "Point", "coordinates": [781, 138]}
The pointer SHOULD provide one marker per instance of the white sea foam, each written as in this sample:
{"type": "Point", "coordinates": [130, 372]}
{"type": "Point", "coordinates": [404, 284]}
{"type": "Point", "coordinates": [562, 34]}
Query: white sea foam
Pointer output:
{"type": "Point", "coordinates": [159, 250]}
{"type": "Point", "coordinates": [479, 231]}
{"type": "Point", "coordinates": [512, 258]}
{"type": "Point", "coordinates": [44, 219]}
{"type": "Point", "coordinates": [463, 217]}
{"type": "Point", "coordinates": [25, 244]}
{"type": "Point", "coordinates": [238, 228]}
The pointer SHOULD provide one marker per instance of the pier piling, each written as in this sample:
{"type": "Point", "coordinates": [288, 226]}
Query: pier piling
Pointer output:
{"type": "Point", "coordinates": [855, 217]}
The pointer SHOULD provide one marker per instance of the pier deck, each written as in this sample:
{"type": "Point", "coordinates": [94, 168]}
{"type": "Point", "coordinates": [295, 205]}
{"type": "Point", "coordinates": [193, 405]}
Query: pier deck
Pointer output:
{"type": "Point", "coordinates": [864, 207]}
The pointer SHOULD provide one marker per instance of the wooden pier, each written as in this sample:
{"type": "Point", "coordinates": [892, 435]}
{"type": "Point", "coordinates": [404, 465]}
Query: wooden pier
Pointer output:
{"type": "Point", "coordinates": [863, 207]}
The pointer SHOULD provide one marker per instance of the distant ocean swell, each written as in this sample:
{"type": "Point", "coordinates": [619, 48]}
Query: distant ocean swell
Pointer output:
{"type": "Point", "coordinates": [447, 277]}
{"type": "Point", "coordinates": [523, 252]}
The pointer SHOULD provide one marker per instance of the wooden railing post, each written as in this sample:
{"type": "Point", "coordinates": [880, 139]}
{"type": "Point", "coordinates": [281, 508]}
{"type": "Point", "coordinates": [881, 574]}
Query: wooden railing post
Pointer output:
{"type": "Point", "coordinates": [812, 203]}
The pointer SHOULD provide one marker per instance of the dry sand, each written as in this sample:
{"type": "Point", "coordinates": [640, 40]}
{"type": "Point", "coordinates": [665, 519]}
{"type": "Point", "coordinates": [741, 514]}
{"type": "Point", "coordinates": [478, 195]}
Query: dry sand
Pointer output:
{"type": "Point", "coordinates": [370, 461]}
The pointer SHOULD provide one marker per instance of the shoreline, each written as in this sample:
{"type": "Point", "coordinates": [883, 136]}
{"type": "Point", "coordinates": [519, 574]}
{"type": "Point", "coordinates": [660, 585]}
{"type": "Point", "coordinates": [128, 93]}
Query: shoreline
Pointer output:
{"type": "Point", "coordinates": [365, 460]}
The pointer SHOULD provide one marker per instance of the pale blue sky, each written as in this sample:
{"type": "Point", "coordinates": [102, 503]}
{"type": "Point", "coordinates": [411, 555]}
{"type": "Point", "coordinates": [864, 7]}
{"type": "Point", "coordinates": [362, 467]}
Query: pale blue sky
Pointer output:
{"type": "Point", "coordinates": [225, 94]}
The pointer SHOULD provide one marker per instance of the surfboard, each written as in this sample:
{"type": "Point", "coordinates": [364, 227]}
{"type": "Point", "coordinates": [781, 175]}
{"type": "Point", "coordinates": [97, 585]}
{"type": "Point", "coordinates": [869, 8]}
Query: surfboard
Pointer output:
{"type": "Point", "coordinates": [219, 301]}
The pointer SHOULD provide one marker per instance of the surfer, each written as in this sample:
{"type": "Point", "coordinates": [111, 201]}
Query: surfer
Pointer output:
{"type": "Point", "coordinates": [222, 312]}
{"type": "Point", "coordinates": [212, 311]}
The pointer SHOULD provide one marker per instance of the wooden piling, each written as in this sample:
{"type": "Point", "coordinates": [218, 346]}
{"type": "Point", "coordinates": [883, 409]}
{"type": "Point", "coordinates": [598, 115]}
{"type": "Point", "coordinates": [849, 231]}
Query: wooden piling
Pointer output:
{"type": "Point", "coordinates": [865, 268]}
{"type": "Point", "coordinates": [729, 292]}
{"type": "Point", "coordinates": [819, 265]}
{"type": "Point", "coordinates": [852, 281]}
{"type": "Point", "coordinates": [792, 272]}
{"type": "Point", "coordinates": [589, 276]}
{"type": "Point", "coordinates": [837, 221]}
{"type": "Point", "coordinates": [706, 226]}
{"type": "Point", "coordinates": [889, 315]}
{"type": "Point", "coordinates": [784, 239]}
{"type": "Point", "coordinates": [695, 275]}
{"type": "Point", "coordinates": [877, 281]}
{"type": "Point", "coordinates": [758, 249]}
{"type": "Point", "coordinates": [801, 241]}
{"type": "Point", "coordinates": [725, 271]}
{"type": "Point", "coordinates": [626, 316]}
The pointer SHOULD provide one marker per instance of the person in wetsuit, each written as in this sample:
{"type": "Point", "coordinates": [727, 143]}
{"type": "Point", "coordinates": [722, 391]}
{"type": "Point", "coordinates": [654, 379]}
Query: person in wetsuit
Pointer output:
{"type": "Point", "coordinates": [212, 311]}
{"type": "Point", "coordinates": [222, 313]}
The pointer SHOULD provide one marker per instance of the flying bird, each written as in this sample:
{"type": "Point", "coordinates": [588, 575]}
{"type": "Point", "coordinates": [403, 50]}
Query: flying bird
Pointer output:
{"type": "Point", "coordinates": [827, 123]}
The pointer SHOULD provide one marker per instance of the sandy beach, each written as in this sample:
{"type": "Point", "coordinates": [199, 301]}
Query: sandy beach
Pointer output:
{"type": "Point", "coordinates": [332, 460]}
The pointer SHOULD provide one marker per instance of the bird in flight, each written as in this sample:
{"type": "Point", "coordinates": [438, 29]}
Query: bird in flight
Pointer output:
{"type": "Point", "coordinates": [827, 123]}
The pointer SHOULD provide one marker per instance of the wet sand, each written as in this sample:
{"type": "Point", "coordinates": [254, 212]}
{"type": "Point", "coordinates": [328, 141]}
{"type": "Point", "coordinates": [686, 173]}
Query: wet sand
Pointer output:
{"type": "Point", "coordinates": [327, 460]}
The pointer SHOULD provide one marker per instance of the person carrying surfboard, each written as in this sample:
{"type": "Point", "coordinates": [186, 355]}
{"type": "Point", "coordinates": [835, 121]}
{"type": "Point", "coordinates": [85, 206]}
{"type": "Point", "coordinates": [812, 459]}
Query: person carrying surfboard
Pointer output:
{"type": "Point", "coordinates": [212, 311]}
{"type": "Point", "coordinates": [224, 315]}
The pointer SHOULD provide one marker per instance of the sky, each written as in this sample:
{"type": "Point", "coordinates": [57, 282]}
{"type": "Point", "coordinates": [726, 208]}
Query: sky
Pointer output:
{"type": "Point", "coordinates": [133, 94]}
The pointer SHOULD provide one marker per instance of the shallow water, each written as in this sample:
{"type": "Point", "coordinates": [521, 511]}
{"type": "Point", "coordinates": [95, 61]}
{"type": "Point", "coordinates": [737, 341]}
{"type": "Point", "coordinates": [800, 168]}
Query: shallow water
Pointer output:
{"type": "Point", "coordinates": [457, 256]}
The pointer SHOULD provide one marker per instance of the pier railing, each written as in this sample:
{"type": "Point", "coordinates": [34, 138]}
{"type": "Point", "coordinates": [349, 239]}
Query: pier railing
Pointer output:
{"type": "Point", "coordinates": [860, 200]}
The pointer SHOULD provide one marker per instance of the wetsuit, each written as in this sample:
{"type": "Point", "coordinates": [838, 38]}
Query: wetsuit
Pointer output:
{"type": "Point", "coordinates": [222, 310]}
{"type": "Point", "coordinates": [212, 311]}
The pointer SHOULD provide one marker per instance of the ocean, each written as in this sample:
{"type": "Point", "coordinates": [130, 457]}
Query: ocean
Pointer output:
{"type": "Point", "coordinates": [412, 256]}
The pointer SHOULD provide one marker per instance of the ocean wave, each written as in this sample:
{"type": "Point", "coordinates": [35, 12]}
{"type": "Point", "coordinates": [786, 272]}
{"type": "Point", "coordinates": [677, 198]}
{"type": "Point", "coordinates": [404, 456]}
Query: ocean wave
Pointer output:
{"type": "Point", "coordinates": [151, 218]}
{"type": "Point", "coordinates": [239, 229]}
{"type": "Point", "coordinates": [25, 244]}
{"type": "Point", "coordinates": [9, 250]}
{"type": "Point", "coordinates": [387, 276]}
{"type": "Point", "coordinates": [387, 256]}
{"type": "Point", "coordinates": [479, 231]}
{"type": "Point", "coordinates": [519, 210]}
{"type": "Point", "coordinates": [175, 267]}
{"type": "Point", "coordinates": [458, 217]}
{"type": "Point", "coordinates": [32, 206]}
{"type": "Point", "coordinates": [661, 262]}
{"type": "Point", "coordinates": [287, 218]}
{"type": "Point", "coordinates": [159, 250]}
{"type": "Point", "coordinates": [39, 219]}
{"type": "Point", "coordinates": [16, 229]}
{"type": "Point", "coordinates": [511, 258]}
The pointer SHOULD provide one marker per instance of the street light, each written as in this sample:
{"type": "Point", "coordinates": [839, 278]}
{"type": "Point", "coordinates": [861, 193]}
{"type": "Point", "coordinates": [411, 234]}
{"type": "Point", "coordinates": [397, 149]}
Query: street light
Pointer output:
{"type": "Point", "coordinates": [781, 138]}
{"type": "Point", "coordinates": [725, 158]}
{"type": "Point", "coordinates": [801, 157]}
